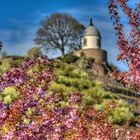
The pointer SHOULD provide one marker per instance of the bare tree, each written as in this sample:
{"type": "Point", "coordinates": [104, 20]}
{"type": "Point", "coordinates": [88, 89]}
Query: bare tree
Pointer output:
{"type": "Point", "coordinates": [59, 31]}
{"type": "Point", "coordinates": [77, 42]}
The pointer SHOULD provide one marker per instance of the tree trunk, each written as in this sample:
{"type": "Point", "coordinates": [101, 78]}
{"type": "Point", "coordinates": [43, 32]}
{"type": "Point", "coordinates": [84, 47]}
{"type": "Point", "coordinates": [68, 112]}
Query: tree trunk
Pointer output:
{"type": "Point", "coordinates": [63, 52]}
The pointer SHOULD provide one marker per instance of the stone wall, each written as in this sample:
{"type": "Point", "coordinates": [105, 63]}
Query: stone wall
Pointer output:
{"type": "Point", "coordinates": [100, 56]}
{"type": "Point", "coordinates": [100, 59]}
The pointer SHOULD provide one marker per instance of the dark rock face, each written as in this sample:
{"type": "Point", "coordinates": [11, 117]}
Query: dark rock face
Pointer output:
{"type": "Point", "coordinates": [100, 59]}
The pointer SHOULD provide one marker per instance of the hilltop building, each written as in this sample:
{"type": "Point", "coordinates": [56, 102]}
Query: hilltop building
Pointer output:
{"type": "Point", "coordinates": [91, 47]}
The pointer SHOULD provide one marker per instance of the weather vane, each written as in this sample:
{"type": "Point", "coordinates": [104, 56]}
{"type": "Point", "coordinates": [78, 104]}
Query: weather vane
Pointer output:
{"type": "Point", "coordinates": [91, 23]}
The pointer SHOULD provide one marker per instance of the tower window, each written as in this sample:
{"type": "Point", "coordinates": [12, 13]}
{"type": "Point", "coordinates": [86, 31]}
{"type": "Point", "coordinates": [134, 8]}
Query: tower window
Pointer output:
{"type": "Point", "coordinates": [85, 42]}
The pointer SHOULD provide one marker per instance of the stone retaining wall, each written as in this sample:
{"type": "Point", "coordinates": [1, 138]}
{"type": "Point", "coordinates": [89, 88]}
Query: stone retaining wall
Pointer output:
{"type": "Point", "coordinates": [100, 59]}
{"type": "Point", "coordinates": [100, 56]}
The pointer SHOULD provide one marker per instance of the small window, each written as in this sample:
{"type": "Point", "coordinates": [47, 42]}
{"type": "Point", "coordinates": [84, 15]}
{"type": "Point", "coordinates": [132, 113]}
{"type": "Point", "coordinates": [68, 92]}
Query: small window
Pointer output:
{"type": "Point", "coordinates": [85, 42]}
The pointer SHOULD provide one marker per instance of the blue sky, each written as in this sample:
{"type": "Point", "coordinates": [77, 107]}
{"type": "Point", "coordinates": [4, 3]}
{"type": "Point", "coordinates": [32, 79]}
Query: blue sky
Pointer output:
{"type": "Point", "coordinates": [21, 18]}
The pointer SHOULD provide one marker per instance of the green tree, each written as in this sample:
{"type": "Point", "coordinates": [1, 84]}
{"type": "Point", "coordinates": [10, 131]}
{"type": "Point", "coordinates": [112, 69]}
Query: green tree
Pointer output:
{"type": "Point", "coordinates": [34, 52]}
{"type": "Point", "coordinates": [59, 31]}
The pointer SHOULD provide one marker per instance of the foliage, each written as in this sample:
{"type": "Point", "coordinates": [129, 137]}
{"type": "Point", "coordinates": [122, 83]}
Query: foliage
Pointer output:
{"type": "Point", "coordinates": [94, 95]}
{"type": "Point", "coordinates": [34, 52]}
{"type": "Point", "coordinates": [10, 61]}
{"type": "Point", "coordinates": [121, 113]}
{"type": "Point", "coordinates": [83, 62]}
{"type": "Point", "coordinates": [78, 73]}
{"type": "Point", "coordinates": [59, 31]}
{"type": "Point", "coordinates": [70, 58]}
{"type": "Point", "coordinates": [37, 114]}
{"type": "Point", "coordinates": [8, 95]}
{"type": "Point", "coordinates": [71, 71]}
{"type": "Point", "coordinates": [61, 88]}
{"type": "Point", "coordinates": [6, 64]}
{"type": "Point", "coordinates": [32, 87]}
{"type": "Point", "coordinates": [74, 82]}
{"type": "Point", "coordinates": [129, 43]}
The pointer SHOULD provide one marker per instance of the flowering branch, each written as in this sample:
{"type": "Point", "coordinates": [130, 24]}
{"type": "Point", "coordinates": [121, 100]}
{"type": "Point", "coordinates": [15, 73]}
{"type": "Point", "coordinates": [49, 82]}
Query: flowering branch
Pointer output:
{"type": "Point", "coordinates": [129, 46]}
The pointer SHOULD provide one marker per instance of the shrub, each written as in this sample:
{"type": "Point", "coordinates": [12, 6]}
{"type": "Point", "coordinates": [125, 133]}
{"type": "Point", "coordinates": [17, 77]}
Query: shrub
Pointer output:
{"type": "Point", "coordinates": [70, 58]}
{"type": "Point", "coordinates": [67, 70]}
{"type": "Point", "coordinates": [77, 73]}
{"type": "Point", "coordinates": [61, 88]}
{"type": "Point", "coordinates": [83, 62]}
{"type": "Point", "coordinates": [34, 52]}
{"type": "Point", "coordinates": [90, 97]}
{"type": "Point", "coordinates": [70, 71]}
{"type": "Point", "coordinates": [120, 115]}
{"type": "Point", "coordinates": [6, 64]}
{"type": "Point", "coordinates": [75, 82]}
{"type": "Point", "coordinates": [9, 94]}
{"type": "Point", "coordinates": [7, 100]}
{"type": "Point", "coordinates": [57, 64]}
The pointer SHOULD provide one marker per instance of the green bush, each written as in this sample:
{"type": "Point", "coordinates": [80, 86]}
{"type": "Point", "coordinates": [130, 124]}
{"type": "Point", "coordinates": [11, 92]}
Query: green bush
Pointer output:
{"type": "Point", "coordinates": [70, 58]}
{"type": "Point", "coordinates": [61, 88]}
{"type": "Point", "coordinates": [90, 97]}
{"type": "Point", "coordinates": [26, 121]}
{"type": "Point", "coordinates": [67, 70]}
{"type": "Point", "coordinates": [70, 71]}
{"type": "Point", "coordinates": [29, 112]}
{"type": "Point", "coordinates": [80, 84]}
{"type": "Point", "coordinates": [7, 100]}
{"type": "Point", "coordinates": [9, 62]}
{"type": "Point", "coordinates": [77, 73]}
{"type": "Point", "coordinates": [6, 64]}
{"type": "Point", "coordinates": [83, 62]}
{"type": "Point", "coordinates": [8, 95]}
{"type": "Point", "coordinates": [57, 64]}
{"type": "Point", "coordinates": [120, 115]}
{"type": "Point", "coordinates": [34, 52]}
{"type": "Point", "coordinates": [63, 80]}
{"type": "Point", "coordinates": [64, 70]}
{"type": "Point", "coordinates": [99, 92]}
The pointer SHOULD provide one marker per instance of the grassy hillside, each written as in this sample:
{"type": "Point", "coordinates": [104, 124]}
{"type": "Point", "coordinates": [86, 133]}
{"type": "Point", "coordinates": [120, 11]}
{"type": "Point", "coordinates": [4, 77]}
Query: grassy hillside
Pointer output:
{"type": "Point", "coordinates": [71, 78]}
{"type": "Point", "coordinates": [72, 75]}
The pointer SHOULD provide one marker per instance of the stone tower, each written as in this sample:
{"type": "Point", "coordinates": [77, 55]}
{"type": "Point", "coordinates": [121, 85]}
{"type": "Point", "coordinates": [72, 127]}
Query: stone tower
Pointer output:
{"type": "Point", "coordinates": [91, 47]}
